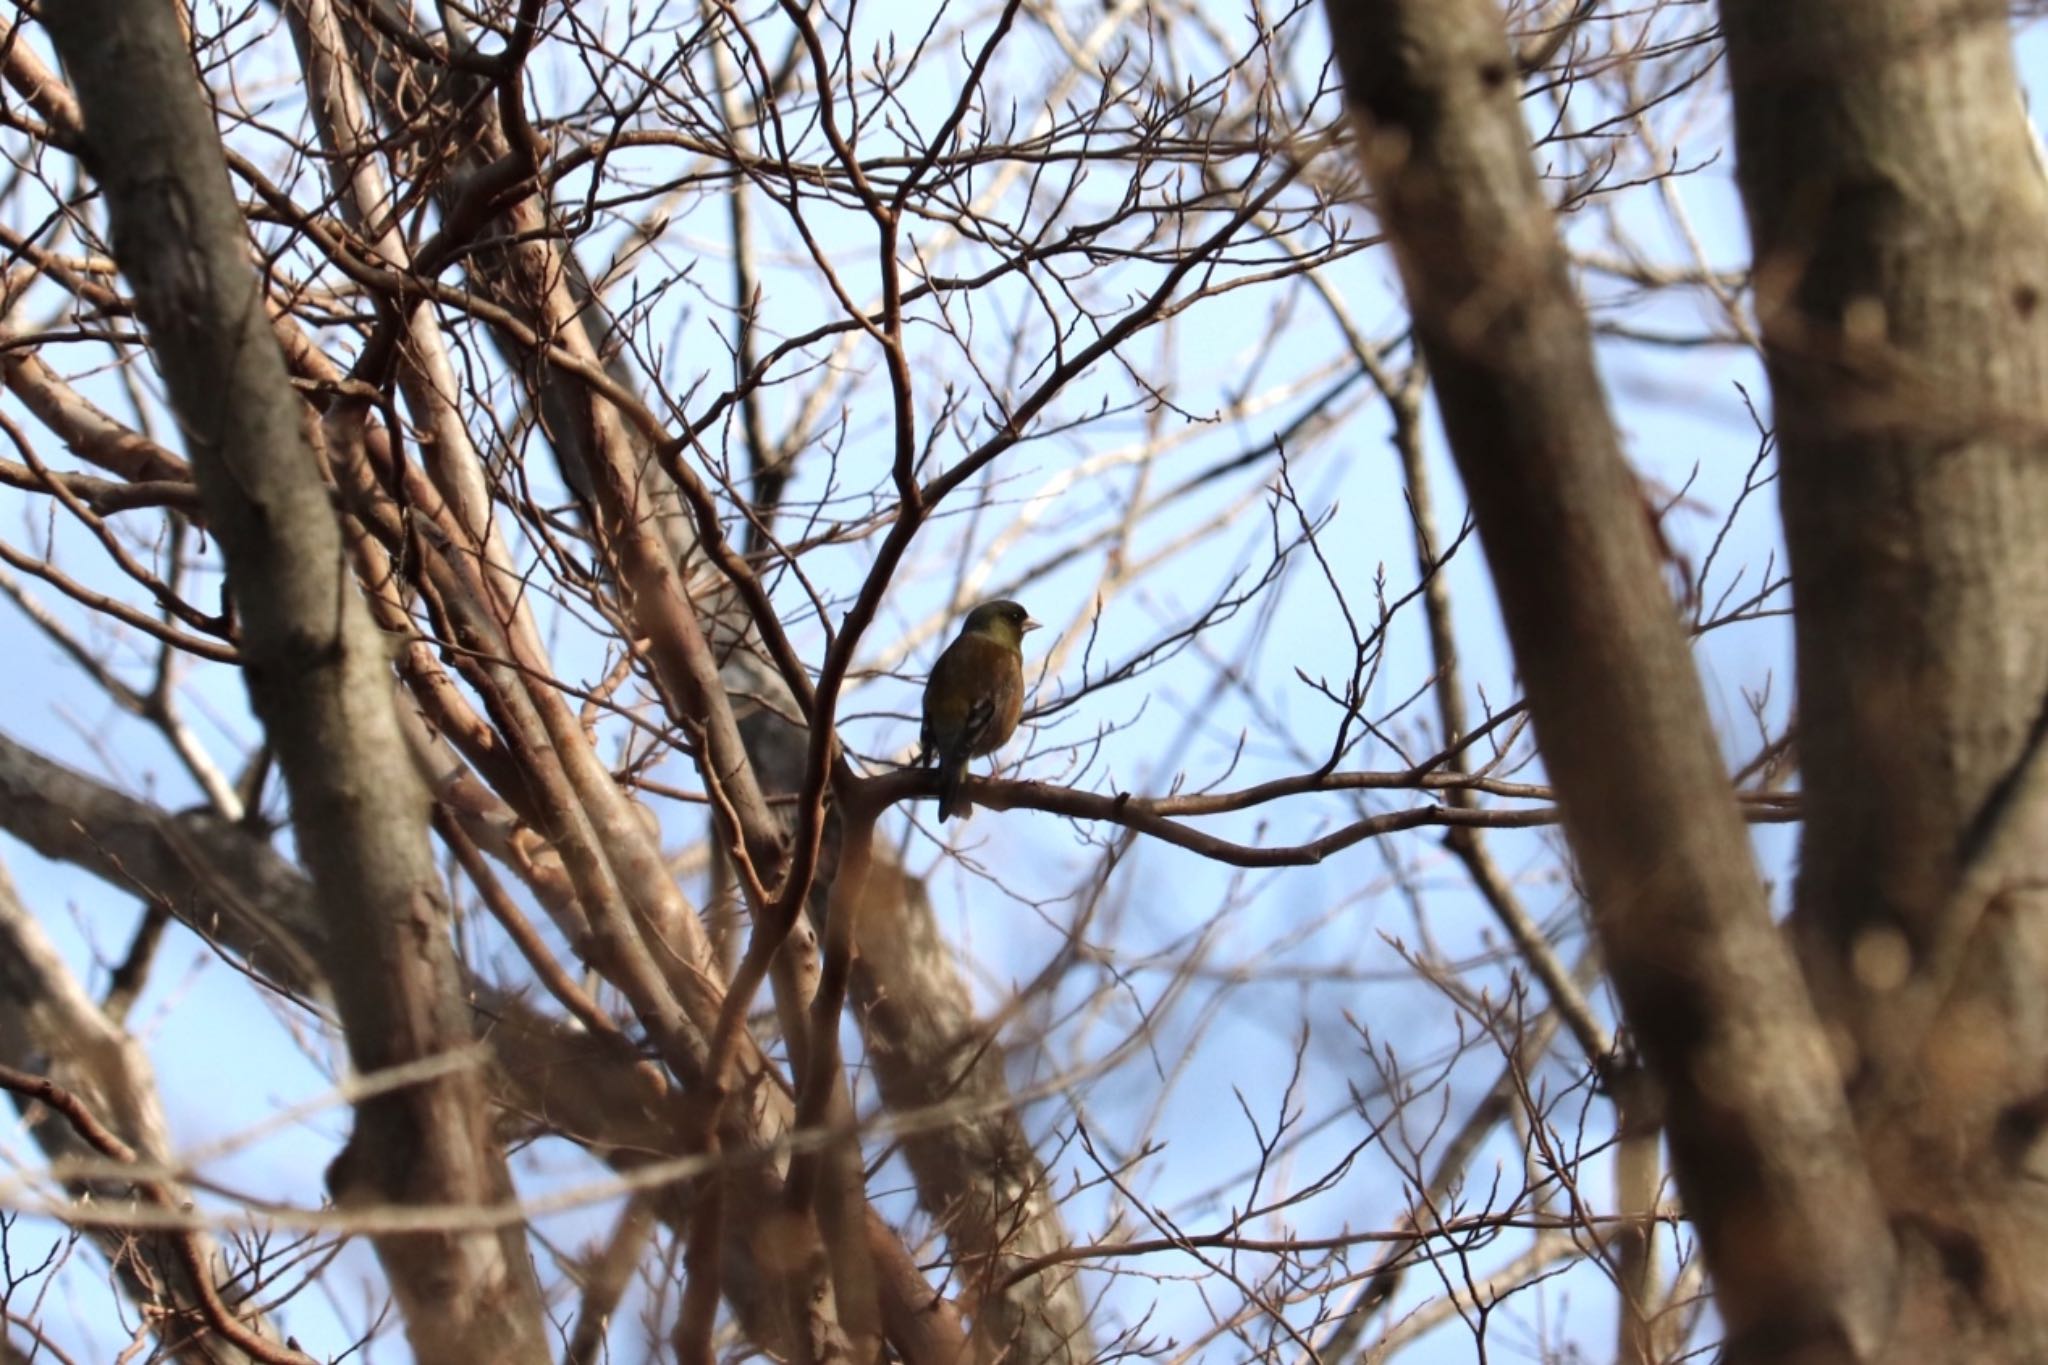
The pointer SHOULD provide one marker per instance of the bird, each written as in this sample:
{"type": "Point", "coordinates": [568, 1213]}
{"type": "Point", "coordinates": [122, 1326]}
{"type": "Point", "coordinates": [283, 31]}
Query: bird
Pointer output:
{"type": "Point", "coordinates": [974, 696]}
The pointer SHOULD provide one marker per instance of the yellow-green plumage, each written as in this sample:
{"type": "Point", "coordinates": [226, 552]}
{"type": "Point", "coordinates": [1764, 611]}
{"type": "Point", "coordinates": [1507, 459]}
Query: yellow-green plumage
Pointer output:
{"type": "Point", "coordinates": [974, 697]}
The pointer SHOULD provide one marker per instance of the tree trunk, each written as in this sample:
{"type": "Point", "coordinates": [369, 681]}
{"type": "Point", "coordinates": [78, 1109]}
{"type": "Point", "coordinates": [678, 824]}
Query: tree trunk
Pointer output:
{"type": "Point", "coordinates": [1901, 237]}
{"type": "Point", "coordinates": [1760, 1135]}
{"type": "Point", "coordinates": [319, 678]}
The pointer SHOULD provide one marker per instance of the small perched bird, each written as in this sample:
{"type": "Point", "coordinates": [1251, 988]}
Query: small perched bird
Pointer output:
{"type": "Point", "coordinates": [974, 696]}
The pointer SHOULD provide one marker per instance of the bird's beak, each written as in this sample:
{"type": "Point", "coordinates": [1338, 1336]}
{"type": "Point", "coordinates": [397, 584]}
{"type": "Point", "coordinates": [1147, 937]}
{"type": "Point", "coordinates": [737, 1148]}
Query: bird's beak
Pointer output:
{"type": "Point", "coordinates": [1029, 625]}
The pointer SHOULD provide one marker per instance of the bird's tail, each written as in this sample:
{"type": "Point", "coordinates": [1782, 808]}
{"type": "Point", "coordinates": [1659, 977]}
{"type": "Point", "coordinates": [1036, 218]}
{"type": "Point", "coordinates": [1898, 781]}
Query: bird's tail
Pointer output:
{"type": "Point", "coordinates": [952, 798]}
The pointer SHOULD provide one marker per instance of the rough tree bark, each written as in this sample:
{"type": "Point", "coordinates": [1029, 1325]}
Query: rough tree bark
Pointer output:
{"type": "Point", "coordinates": [318, 674]}
{"type": "Point", "coordinates": [1900, 228]}
{"type": "Point", "coordinates": [1761, 1136]}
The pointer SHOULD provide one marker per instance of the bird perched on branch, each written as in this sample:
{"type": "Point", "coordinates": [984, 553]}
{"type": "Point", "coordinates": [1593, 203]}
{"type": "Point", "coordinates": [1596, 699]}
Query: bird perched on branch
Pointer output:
{"type": "Point", "coordinates": [974, 697]}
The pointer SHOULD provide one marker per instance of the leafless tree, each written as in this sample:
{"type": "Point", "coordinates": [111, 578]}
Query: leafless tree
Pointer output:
{"type": "Point", "coordinates": [484, 484]}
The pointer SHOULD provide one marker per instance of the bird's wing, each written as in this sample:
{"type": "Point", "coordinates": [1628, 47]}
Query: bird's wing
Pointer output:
{"type": "Point", "coordinates": [981, 712]}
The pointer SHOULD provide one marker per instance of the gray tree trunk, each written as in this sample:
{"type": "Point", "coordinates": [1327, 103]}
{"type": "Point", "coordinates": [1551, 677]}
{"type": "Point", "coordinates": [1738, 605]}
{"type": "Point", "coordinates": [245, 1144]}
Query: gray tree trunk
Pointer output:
{"type": "Point", "coordinates": [1900, 223]}
{"type": "Point", "coordinates": [1900, 226]}
{"type": "Point", "coordinates": [319, 678]}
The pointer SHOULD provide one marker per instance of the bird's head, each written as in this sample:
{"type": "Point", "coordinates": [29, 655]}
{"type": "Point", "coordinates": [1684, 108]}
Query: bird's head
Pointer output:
{"type": "Point", "coordinates": [1002, 620]}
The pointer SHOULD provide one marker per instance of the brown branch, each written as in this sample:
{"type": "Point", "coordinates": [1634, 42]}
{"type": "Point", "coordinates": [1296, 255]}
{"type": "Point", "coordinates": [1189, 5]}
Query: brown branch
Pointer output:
{"type": "Point", "coordinates": [105, 496]}
{"type": "Point", "coordinates": [115, 608]}
{"type": "Point", "coordinates": [168, 1272]}
{"type": "Point", "coordinates": [606, 1276]}
{"type": "Point", "coordinates": [43, 1090]}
